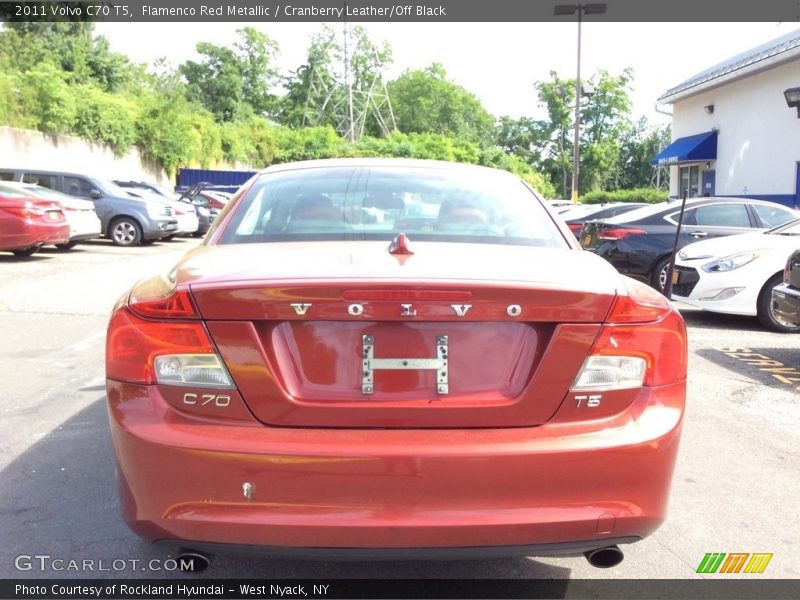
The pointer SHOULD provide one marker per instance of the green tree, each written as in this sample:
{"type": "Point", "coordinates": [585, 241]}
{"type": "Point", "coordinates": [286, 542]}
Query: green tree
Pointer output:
{"type": "Point", "coordinates": [71, 46]}
{"type": "Point", "coordinates": [310, 89]}
{"type": "Point", "coordinates": [256, 52]}
{"type": "Point", "coordinates": [216, 81]}
{"type": "Point", "coordinates": [555, 133]}
{"type": "Point", "coordinates": [604, 121]}
{"type": "Point", "coordinates": [522, 137]}
{"type": "Point", "coordinates": [425, 101]}
{"type": "Point", "coordinates": [66, 44]}
{"type": "Point", "coordinates": [111, 70]}
{"type": "Point", "coordinates": [233, 82]}
{"type": "Point", "coordinates": [638, 145]}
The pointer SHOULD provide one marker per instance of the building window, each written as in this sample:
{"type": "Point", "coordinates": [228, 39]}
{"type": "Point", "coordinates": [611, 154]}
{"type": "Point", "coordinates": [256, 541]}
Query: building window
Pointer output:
{"type": "Point", "coordinates": [690, 180]}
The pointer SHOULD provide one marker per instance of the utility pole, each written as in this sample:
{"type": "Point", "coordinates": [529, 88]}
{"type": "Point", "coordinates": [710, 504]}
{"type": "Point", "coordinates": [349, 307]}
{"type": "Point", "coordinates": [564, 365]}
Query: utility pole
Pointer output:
{"type": "Point", "coordinates": [580, 9]}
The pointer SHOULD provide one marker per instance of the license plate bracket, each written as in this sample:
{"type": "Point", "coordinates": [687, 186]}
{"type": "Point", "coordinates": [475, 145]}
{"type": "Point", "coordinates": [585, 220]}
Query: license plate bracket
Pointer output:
{"type": "Point", "coordinates": [370, 364]}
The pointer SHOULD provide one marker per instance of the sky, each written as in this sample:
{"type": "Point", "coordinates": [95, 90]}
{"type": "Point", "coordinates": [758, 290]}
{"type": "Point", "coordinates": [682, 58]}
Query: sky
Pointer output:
{"type": "Point", "coordinates": [498, 62]}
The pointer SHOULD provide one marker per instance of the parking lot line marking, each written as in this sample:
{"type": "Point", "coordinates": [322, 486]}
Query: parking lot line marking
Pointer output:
{"type": "Point", "coordinates": [786, 374]}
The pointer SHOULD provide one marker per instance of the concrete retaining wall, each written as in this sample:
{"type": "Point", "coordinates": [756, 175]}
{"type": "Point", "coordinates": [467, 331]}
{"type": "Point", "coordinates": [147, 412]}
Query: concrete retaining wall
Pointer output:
{"type": "Point", "coordinates": [22, 148]}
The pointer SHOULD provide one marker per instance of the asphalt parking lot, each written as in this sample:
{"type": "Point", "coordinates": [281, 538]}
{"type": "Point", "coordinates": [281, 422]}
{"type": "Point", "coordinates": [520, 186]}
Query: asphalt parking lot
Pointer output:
{"type": "Point", "coordinates": [735, 488]}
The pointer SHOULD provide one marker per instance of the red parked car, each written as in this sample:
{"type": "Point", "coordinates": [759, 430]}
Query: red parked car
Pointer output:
{"type": "Point", "coordinates": [27, 222]}
{"type": "Point", "coordinates": [395, 357]}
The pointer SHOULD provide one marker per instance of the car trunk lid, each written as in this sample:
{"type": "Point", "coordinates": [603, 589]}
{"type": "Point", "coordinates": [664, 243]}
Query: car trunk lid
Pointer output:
{"type": "Point", "coordinates": [455, 335]}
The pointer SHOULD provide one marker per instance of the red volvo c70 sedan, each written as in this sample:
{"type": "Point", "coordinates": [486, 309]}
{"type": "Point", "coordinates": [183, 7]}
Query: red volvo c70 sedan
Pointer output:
{"type": "Point", "coordinates": [395, 358]}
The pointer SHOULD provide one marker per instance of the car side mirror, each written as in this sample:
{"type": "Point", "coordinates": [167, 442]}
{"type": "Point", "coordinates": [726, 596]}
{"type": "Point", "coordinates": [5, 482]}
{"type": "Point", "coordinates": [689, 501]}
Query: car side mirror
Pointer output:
{"type": "Point", "coordinates": [95, 195]}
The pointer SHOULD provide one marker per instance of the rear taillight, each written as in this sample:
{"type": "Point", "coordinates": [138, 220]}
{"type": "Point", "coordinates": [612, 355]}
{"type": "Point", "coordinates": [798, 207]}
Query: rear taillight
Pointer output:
{"type": "Point", "coordinates": [28, 211]}
{"type": "Point", "coordinates": [575, 227]}
{"type": "Point", "coordinates": [600, 373]}
{"type": "Point", "coordinates": [642, 343]}
{"type": "Point", "coordinates": [157, 298]}
{"type": "Point", "coordinates": [618, 233]}
{"type": "Point", "coordinates": [641, 304]}
{"type": "Point", "coordinates": [157, 337]}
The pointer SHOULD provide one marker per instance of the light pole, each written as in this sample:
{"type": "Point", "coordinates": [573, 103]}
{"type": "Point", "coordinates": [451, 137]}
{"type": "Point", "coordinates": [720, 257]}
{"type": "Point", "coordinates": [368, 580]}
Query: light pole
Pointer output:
{"type": "Point", "coordinates": [580, 9]}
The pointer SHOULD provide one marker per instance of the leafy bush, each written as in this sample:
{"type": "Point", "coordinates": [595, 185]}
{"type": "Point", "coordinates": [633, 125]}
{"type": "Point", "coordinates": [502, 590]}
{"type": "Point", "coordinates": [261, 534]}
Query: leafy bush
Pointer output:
{"type": "Point", "coordinates": [47, 97]}
{"type": "Point", "coordinates": [496, 157]}
{"type": "Point", "coordinates": [649, 195]}
{"type": "Point", "coordinates": [11, 112]}
{"type": "Point", "coordinates": [252, 142]}
{"type": "Point", "coordinates": [206, 148]}
{"type": "Point", "coordinates": [165, 131]}
{"type": "Point", "coordinates": [108, 118]}
{"type": "Point", "coordinates": [308, 143]}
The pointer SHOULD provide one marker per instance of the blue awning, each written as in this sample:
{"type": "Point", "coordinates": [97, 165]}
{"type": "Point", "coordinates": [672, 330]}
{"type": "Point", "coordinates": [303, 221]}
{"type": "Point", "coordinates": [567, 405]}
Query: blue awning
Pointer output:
{"type": "Point", "coordinates": [695, 148]}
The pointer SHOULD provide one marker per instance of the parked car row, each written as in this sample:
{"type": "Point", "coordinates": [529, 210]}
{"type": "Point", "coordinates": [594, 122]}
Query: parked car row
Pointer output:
{"type": "Point", "coordinates": [203, 210]}
{"type": "Point", "coordinates": [732, 252]}
{"type": "Point", "coordinates": [128, 213]}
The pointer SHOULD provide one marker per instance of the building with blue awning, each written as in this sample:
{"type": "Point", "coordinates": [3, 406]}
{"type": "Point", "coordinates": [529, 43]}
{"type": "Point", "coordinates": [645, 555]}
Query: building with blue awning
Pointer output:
{"type": "Point", "coordinates": [734, 132]}
{"type": "Point", "coordinates": [693, 148]}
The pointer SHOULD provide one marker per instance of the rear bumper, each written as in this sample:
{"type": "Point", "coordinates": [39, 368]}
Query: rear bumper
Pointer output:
{"type": "Point", "coordinates": [586, 484]}
{"type": "Point", "coordinates": [84, 227]}
{"type": "Point", "coordinates": [376, 554]}
{"type": "Point", "coordinates": [187, 224]}
{"type": "Point", "coordinates": [39, 234]}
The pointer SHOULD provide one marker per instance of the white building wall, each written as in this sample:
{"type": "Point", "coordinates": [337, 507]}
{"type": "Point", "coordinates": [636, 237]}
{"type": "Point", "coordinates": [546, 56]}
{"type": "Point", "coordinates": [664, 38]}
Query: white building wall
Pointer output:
{"type": "Point", "coordinates": [758, 144]}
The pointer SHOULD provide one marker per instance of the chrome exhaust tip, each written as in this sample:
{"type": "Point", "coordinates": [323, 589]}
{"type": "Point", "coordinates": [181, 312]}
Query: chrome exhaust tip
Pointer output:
{"type": "Point", "coordinates": [193, 562]}
{"type": "Point", "coordinates": [604, 558]}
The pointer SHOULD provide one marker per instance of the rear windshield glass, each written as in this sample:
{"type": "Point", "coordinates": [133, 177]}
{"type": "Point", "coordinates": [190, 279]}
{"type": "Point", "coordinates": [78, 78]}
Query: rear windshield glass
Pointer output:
{"type": "Point", "coordinates": [17, 193]}
{"type": "Point", "coordinates": [364, 203]}
{"type": "Point", "coordinates": [790, 228]}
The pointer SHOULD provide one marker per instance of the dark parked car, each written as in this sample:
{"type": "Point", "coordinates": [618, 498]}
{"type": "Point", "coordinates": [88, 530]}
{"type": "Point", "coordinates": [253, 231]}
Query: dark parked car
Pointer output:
{"type": "Point", "coordinates": [383, 357]}
{"type": "Point", "coordinates": [576, 217]}
{"type": "Point", "coordinates": [786, 297]}
{"type": "Point", "coordinates": [639, 243]}
{"type": "Point", "coordinates": [128, 221]}
{"type": "Point", "coordinates": [28, 222]}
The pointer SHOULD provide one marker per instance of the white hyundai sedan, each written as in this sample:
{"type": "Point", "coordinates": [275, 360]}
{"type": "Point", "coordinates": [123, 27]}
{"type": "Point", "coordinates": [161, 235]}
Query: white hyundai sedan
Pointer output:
{"type": "Point", "coordinates": [735, 274]}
